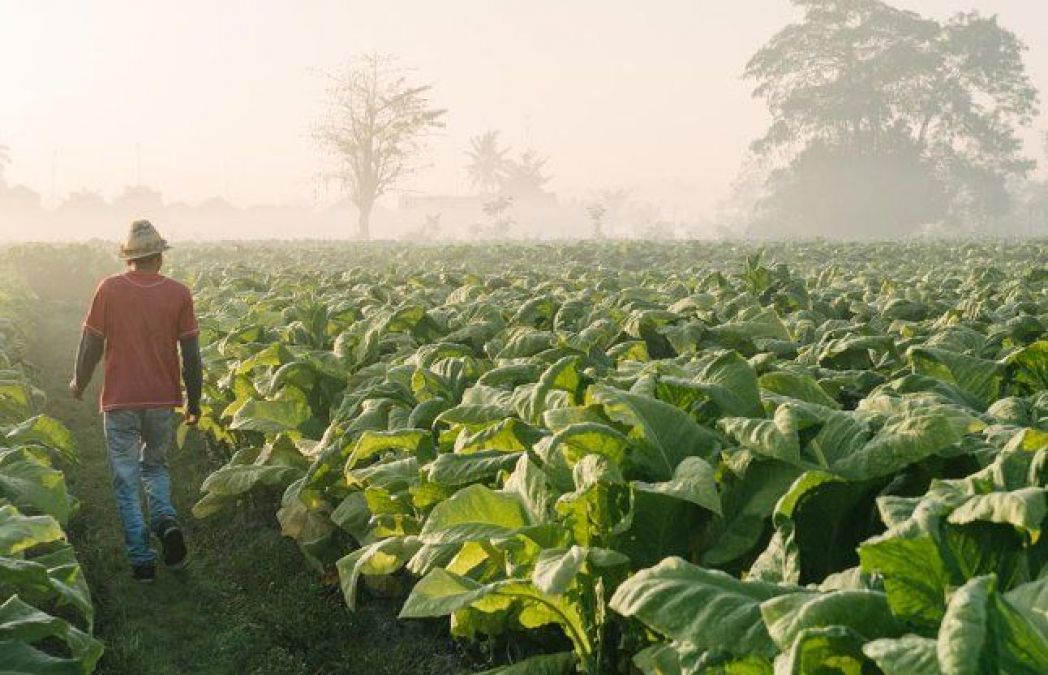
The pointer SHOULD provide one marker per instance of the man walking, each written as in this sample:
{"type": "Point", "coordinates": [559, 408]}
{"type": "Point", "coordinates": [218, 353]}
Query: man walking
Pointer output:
{"type": "Point", "coordinates": [139, 320]}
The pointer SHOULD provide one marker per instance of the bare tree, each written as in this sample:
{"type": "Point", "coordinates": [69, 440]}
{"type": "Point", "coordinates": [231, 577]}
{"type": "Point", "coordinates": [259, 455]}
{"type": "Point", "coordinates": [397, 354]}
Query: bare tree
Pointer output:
{"type": "Point", "coordinates": [376, 126]}
{"type": "Point", "coordinates": [488, 164]}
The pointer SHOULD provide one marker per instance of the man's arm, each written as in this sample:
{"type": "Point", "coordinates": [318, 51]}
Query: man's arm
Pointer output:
{"type": "Point", "coordinates": [192, 375]}
{"type": "Point", "coordinates": [88, 354]}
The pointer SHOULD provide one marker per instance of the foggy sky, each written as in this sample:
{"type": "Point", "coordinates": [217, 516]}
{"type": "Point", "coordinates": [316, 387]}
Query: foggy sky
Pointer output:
{"type": "Point", "coordinates": [217, 98]}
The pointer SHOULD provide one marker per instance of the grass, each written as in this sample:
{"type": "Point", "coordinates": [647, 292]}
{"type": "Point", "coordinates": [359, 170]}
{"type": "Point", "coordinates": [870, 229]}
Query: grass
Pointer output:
{"type": "Point", "coordinates": [247, 603]}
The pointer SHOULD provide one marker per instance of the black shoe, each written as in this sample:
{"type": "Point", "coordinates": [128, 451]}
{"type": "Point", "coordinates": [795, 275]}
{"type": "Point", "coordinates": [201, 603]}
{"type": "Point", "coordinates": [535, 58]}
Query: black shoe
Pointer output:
{"type": "Point", "coordinates": [144, 573]}
{"type": "Point", "coordinates": [173, 543]}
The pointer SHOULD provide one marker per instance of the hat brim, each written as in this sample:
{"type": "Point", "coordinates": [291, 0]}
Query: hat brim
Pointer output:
{"type": "Point", "coordinates": [138, 255]}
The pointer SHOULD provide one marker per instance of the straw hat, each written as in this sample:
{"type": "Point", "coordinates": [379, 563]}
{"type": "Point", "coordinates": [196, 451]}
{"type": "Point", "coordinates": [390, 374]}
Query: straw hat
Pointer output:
{"type": "Point", "coordinates": [142, 241]}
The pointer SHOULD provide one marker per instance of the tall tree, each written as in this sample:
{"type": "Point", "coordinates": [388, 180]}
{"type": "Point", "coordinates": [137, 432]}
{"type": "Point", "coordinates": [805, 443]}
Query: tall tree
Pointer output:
{"type": "Point", "coordinates": [376, 127]}
{"type": "Point", "coordinates": [488, 163]}
{"type": "Point", "coordinates": [884, 119]}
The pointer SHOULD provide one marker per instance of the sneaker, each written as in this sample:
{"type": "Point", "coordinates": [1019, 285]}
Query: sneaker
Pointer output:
{"type": "Point", "coordinates": [173, 543]}
{"type": "Point", "coordinates": [144, 573]}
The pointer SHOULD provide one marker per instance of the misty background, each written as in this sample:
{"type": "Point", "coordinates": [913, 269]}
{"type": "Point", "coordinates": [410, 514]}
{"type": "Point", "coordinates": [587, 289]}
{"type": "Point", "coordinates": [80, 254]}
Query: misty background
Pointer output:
{"type": "Point", "coordinates": [614, 118]}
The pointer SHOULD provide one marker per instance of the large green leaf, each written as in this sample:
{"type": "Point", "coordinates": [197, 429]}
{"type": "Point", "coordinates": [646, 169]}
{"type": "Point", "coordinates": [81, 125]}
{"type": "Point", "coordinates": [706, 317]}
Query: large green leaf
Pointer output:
{"type": "Point", "coordinates": [706, 608]}
{"type": "Point", "coordinates": [23, 623]}
{"type": "Point", "coordinates": [819, 522]}
{"type": "Point", "coordinates": [907, 655]}
{"type": "Point", "coordinates": [382, 557]}
{"type": "Point", "coordinates": [236, 479]}
{"type": "Point", "coordinates": [509, 435]}
{"type": "Point", "coordinates": [68, 585]}
{"type": "Point", "coordinates": [1023, 509]}
{"type": "Point", "coordinates": [900, 442]}
{"type": "Point", "coordinates": [271, 417]}
{"type": "Point", "coordinates": [730, 382]}
{"type": "Point", "coordinates": [454, 470]}
{"type": "Point", "coordinates": [693, 481]}
{"type": "Point", "coordinates": [45, 431]}
{"type": "Point", "coordinates": [864, 612]}
{"type": "Point", "coordinates": [30, 483]}
{"type": "Point", "coordinates": [21, 658]}
{"type": "Point", "coordinates": [834, 649]}
{"type": "Point", "coordinates": [1029, 367]}
{"type": "Point", "coordinates": [776, 438]}
{"type": "Point", "coordinates": [664, 434]}
{"type": "Point", "coordinates": [578, 440]}
{"type": "Point", "coordinates": [658, 525]}
{"type": "Point", "coordinates": [915, 576]}
{"type": "Point", "coordinates": [1032, 600]}
{"type": "Point", "coordinates": [19, 532]}
{"type": "Point", "coordinates": [440, 593]}
{"type": "Point", "coordinates": [532, 488]}
{"type": "Point", "coordinates": [556, 569]}
{"type": "Point", "coordinates": [371, 443]}
{"type": "Point", "coordinates": [747, 503]}
{"type": "Point", "coordinates": [980, 632]}
{"type": "Point", "coordinates": [797, 385]}
{"type": "Point", "coordinates": [977, 376]}
{"type": "Point", "coordinates": [474, 512]}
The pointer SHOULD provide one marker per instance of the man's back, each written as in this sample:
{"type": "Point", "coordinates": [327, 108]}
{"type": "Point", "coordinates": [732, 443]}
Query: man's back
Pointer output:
{"type": "Point", "coordinates": [141, 319]}
{"type": "Point", "coordinates": [141, 316]}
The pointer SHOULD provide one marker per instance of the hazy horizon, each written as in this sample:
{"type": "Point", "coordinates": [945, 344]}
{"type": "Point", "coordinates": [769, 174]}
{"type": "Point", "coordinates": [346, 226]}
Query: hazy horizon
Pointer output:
{"type": "Point", "coordinates": [205, 99]}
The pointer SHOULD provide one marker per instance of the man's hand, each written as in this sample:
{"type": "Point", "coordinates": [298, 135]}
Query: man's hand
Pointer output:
{"type": "Point", "coordinates": [75, 390]}
{"type": "Point", "coordinates": [191, 419]}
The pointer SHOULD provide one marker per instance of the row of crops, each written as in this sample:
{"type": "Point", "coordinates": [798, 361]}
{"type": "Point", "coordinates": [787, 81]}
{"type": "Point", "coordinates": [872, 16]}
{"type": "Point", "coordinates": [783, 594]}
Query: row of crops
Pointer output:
{"type": "Point", "coordinates": [46, 614]}
{"type": "Point", "coordinates": [666, 458]}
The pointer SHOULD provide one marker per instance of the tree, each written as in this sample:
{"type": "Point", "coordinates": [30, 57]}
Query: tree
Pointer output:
{"type": "Point", "coordinates": [596, 212]}
{"type": "Point", "coordinates": [874, 106]}
{"type": "Point", "coordinates": [525, 177]}
{"type": "Point", "coordinates": [376, 127]}
{"type": "Point", "coordinates": [488, 162]}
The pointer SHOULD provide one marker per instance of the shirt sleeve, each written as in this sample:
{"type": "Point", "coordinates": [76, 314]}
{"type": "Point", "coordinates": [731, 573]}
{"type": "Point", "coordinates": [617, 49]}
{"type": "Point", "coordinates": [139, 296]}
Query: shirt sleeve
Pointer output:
{"type": "Point", "coordinates": [187, 322]}
{"type": "Point", "coordinates": [95, 321]}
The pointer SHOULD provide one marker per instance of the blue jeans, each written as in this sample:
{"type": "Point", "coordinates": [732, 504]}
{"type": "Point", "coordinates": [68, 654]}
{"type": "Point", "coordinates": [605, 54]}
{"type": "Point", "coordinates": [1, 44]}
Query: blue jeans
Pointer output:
{"type": "Point", "coordinates": [138, 442]}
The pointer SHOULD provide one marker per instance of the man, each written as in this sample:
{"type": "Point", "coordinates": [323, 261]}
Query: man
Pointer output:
{"type": "Point", "coordinates": [140, 319]}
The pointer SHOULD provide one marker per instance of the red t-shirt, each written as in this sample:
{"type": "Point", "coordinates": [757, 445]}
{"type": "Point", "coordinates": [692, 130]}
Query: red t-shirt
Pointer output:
{"type": "Point", "coordinates": [141, 316]}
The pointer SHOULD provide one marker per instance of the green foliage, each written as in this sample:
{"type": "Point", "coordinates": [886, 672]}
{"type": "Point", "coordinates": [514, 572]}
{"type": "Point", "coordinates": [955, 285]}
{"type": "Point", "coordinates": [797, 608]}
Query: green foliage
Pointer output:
{"type": "Point", "coordinates": [46, 614]}
{"type": "Point", "coordinates": [693, 458]}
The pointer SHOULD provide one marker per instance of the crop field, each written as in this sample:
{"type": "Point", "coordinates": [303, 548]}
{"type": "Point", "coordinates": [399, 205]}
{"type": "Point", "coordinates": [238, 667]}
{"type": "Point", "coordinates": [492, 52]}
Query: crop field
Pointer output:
{"type": "Point", "coordinates": [616, 457]}
{"type": "Point", "coordinates": [43, 592]}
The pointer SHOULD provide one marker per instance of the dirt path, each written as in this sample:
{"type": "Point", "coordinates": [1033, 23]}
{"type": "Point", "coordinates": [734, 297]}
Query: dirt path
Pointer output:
{"type": "Point", "coordinates": [247, 603]}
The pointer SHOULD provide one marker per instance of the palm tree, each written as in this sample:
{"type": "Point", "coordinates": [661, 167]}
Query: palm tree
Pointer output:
{"type": "Point", "coordinates": [488, 162]}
